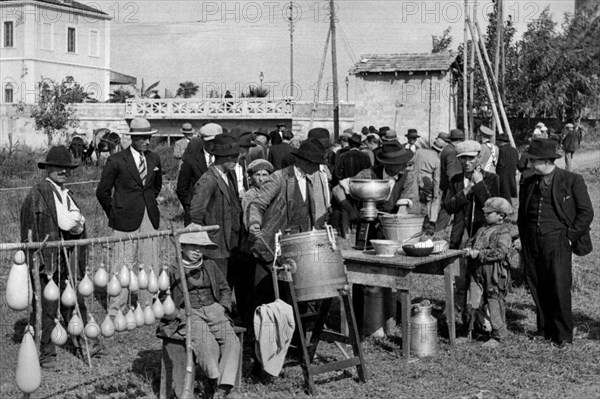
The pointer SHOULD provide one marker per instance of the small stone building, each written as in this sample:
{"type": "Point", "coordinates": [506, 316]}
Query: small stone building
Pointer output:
{"type": "Point", "coordinates": [406, 91]}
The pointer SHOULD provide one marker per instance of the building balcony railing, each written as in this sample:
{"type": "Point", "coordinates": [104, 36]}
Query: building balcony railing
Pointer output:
{"type": "Point", "coordinates": [211, 108]}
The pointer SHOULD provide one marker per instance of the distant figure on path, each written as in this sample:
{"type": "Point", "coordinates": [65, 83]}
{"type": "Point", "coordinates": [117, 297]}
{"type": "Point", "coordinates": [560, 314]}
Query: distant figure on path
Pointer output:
{"type": "Point", "coordinates": [570, 141]}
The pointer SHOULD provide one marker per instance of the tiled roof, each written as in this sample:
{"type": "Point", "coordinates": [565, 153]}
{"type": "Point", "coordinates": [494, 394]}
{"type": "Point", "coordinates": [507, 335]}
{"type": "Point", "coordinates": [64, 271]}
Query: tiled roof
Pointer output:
{"type": "Point", "coordinates": [69, 4]}
{"type": "Point", "coordinates": [379, 63]}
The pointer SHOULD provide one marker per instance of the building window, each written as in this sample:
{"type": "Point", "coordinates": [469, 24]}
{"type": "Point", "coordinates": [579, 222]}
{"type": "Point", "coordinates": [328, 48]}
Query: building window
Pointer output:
{"type": "Point", "coordinates": [71, 40]}
{"type": "Point", "coordinates": [8, 34]}
{"type": "Point", "coordinates": [94, 43]}
{"type": "Point", "coordinates": [8, 93]}
{"type": "Point", "coordinates": [47, 36]}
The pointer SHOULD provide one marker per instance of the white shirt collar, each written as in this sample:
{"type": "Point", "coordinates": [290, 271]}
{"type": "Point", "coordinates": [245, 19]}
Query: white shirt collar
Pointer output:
{"type": "Point", "coordinates": [136, 154]}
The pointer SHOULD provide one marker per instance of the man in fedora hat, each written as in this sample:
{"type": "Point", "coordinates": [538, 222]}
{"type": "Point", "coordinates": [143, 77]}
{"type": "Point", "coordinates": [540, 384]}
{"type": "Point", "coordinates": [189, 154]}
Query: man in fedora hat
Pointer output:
{"type": "Point", "coordinates": [450, 165]}
{"type": "Point", "coordinates": [213, 339]}
{"type": "Point", "coordinates": [412, 136]}
{"type": "Point", "coordinates": [488, 156]}
{"type": "Point", "coordinates": [195, 162]}
{"type": "Point", "coordinates": [352, 161]}
{"type": "Point", "coordinates": [262, 138]}
{"type": "Point", "coordinates": [216, 201]}
{"type": "Point", "coordinates": [555, 214]}
{"type": "Point", "coordinates": [277, 134]}
{"type": "Point", "coordinates": [394, 162]}
{"type": "Point", "coordinates": [179, 149]}
{"type": "Point", "coordinates": [130, 182]}
{"type": "Point", "coordinates": [280, 155]}
{"type": "Point", "coordinates": [508, 157]}
{"type": "Point", "coordinates": [51, 212]}
{"type": "Point", "coordinates": [295, 199]}
{"type": "Point", "coordinates": [570, 141]}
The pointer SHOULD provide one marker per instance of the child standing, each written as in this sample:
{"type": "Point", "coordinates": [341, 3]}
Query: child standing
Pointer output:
{"type": "Point", "coordinates": [215, 344]}
{"type": "Point", "coordinates": [487, 268]}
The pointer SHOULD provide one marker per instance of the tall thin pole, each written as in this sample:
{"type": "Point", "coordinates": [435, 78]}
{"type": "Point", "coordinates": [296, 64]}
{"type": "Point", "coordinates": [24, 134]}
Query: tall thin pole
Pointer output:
{"type": "Point", "coordinates": [319, 80]}
{"type": "Point", "coordinates": [291, 49]}
{"type": "Point", "coordinates": [465, 77]}
{"type": "Point", "coordinates": [336, 105]}
{"type": "Point", "coordinates": [472, 77]}
{"type": "Point", "coordinates": [497, 52]}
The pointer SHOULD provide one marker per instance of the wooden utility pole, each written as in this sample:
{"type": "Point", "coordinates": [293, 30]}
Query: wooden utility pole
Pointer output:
{"type": "Point", "coordinates": [465, 77]}
{"type": "Point", "coordinates": [291, 49]}
{"type": "Point", "coordinates": [336, 105]}
{"type": "Point", "coordinates": [319, 80]}
{"type": "Point", "coordinates": [472, 77]}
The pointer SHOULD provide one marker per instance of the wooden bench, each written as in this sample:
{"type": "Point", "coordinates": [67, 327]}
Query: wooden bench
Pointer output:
{"type": "Point", "coordinates": [173, 365]}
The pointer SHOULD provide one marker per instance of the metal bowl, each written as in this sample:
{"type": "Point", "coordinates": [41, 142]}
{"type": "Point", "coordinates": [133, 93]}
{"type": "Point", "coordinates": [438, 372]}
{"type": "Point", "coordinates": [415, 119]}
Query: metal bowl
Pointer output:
{"type": "Point", "coordinates": [369, 189]}
{"type": "Point", "coordinates": [411, 250]}
{"type": "Point", "coordinates": [386, 247]}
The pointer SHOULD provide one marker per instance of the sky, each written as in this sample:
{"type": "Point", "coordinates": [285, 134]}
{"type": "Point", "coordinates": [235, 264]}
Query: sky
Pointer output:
{"type": "Point", "coordinates": [225, 45]}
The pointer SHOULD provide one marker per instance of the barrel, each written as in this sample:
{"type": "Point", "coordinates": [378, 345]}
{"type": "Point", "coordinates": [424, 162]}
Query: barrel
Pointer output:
{"type": "Point", "coordinates": [401, 227]}
{"type": "Point", "coordinates": [320, 267]}
{"type": "Point", "coordinates": [423, 330]}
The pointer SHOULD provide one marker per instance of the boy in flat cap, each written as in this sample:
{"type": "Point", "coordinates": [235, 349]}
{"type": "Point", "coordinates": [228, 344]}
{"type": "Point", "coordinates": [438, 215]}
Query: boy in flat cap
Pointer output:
{"type": "Point", "coordinates": [488, 268]}
{"type": "Point", "coordinates": [214, 342]}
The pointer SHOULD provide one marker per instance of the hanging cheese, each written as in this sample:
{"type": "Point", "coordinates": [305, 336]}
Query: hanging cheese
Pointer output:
{"type": "Point", "coordinates": [18, 284]}
{"type": "Point", "coordinates": [28, 375]}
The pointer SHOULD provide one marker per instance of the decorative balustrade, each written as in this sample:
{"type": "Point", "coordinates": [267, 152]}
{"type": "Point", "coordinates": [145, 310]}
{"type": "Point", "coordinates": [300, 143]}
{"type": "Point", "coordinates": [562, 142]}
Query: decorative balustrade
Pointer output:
{"type": "Point", "coordinates": [213, 108]}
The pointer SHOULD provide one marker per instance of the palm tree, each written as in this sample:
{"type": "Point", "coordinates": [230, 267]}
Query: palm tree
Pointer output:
{"type": "Point", "coordinates": [120, 95]}
{"type": "Point", "coordinates": [256, 92]}
{"type": "Point", "coordinates": [145, 92]}
{"type": "Point", "coordinates": [187, 89]}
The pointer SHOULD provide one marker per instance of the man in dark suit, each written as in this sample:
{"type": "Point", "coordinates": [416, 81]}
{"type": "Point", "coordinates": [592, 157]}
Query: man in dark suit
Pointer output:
{"type": "Point", "coordinates": [130, 182]}
{"type": "Point", "coordinates": [555, 214]}
{"type": "Point", "coordinates": [280, 155]}
{"type": "Point", "coordinates": [506, 169]}
{"type": "Point", "coordinates": [196, 160]}
{"type": "Point", "coordinates": [216, 202]}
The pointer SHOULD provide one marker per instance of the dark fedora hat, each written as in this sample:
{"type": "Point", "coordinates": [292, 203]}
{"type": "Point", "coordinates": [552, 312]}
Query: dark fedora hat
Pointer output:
{"type": "Point", "coordinates": [58, 156]}
{"type": "Point", "coordinates": [239, 130]}
{"type": "Point", "coordinates": [246, 140]}
{"type": "Point", "coordinates": [281, 124]}
{"type": "Point", "coordinates": [261, 131]}
{"type": "Point", "coordinates": [356, 138]}
{"type": "Point", "coordinates": [187, 128]}
{"type": "Point", "coordinates": [412, 134]}
{"type": "Point", "coordinates": [225, 145]}
{"type": "Point", "coordinates": [383, 130]}
{"type": "Point", "coordinates": [457, 134]}
{"type": "Point", "coordinates": [393, 153]}
{"type": "Point", "coordinates": [287, 135]}
{"type": "Point", "coordinates": [321, 134]}
{"type": "Point", "coordinates": [503, 138]}
{"type": "Point", "coordinates": [311, 150]}
{"type": "Point", "coordinates": [543, 149]}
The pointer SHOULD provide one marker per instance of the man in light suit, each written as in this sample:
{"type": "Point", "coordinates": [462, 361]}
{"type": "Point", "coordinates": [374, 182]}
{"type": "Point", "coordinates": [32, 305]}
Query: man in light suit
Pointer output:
{"type": "Point", "coordinates": [555, 214]}
{"type": "Point", "coordinates": [130, 182]}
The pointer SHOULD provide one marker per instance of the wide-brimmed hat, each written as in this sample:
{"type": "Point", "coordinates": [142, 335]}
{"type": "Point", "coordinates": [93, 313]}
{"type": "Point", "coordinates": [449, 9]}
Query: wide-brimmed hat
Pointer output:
{"type": "Point", "coordinates": [438, 144]}
{"type": "Point", "coordinates": [225, 145]}
{"type": "Point", "coordinates": [187, 128]}
{"type": "Point", "coordinates": [543, 149]}
{"type": "Point", "coordinates": [58, 156]}
{"type": "Point", "coordinates": [311, 150]}
{"type": "Point", "coordinates": [259, 164]}
{"type": "Point", "coordinates": [393, 153]}
{"type": "Point", "coordinates": [239, 130]}
{"type": "Point", "coordinates": [412, 134]}
{"type": "Point", "coordinates": [468, 148]}
{"type": "Point", "coordinates": [321, 134]}
{"type": "Point", "coordinates": [287, 135]}
{"type": "Point", "coordinates": [373, 129]}
{"type": "Point", "coordinates": [209, 131]}
{"type": "Point", "coordinates": [539, 125]}
{"type": "Point", "coordinates": [569, 125]}
{"type": "Point", "coordinates": [444, 136]}
{"type": "Point", "coordinates": [140, 127]}
{"type": "Point", "coordinates": [486, 131]}
{"type": "Point", "coordinates": [383, 130]}
{"type": "Point", "coordinates": [262, 132]}
{"type": "Point", "coordinates": [246, 140]}
{"type": "Point", "coordinates": [281, 124]}
{"type": "Point", "coordinates": [390, 135]}
{"type": "Point", "coordinates": [356, 138]}
{"type": "Point", "coordinates": [373, 135]}
{"type": "Point", "coordinates": [457, 134]}
{"type": "Point", "coordinates": [197, 238]}
{"type": "Point", "coordinates": [503, 138]}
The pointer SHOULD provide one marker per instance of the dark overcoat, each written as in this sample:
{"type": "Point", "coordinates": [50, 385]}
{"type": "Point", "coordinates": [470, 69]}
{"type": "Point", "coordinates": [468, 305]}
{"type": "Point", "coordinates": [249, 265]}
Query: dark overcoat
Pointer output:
{"type": "Point", "coordinates": [508, 157]}
{"type": "Point", "coordinates": [193, 166]}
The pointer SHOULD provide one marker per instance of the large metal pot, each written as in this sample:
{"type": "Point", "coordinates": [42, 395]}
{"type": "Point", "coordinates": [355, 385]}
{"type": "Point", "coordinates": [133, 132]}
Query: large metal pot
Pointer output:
{"type": "Point", "coordinates": [320, 269]}
{"type": "Point", "coordinates": [401, 227]}
{"type": "Point", "coordinates": [369, 191]}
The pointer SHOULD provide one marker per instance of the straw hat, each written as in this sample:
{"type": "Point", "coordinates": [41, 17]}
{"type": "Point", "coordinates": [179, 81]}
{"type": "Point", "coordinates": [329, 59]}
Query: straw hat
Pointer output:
{"type": "Point", "coordinates": [140, 127]}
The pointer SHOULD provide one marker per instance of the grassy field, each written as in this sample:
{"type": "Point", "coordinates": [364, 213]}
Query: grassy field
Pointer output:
{"type": "Point", "coordinates": [523, 367]}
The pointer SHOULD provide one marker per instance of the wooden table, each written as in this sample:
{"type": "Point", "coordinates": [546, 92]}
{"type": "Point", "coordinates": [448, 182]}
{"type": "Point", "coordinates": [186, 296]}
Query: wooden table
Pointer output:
{"type": "Point", "coordinates": [395, 272]}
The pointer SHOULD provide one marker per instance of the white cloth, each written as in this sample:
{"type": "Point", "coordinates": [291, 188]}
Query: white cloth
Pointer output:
{"type": "Point", "coordinates": [239, 174]}
{"type": "Point", "coordinates": [67, 213]}
{"type": "Point", "coordinates": [273, 328]}
{"type": "Point", "coordinates": [223, 175]}
{"type": "Point", "coordinates": [209, 158]}
{"type": "Point", "coordinates": [301, 178]}
{"type": "Point", "coordinates": [136, 156]}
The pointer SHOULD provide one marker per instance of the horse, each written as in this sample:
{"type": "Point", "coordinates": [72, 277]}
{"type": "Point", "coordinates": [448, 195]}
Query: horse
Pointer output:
{"type": "Point", "coordinates": [105, 143]}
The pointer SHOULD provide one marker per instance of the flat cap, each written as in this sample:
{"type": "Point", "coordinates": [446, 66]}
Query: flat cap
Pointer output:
{"type": "Point", "coordinates": [210, 130]}
{"type": "Point", "coordinates": [468, 148]}
{"type": "Point", "coordinates": [486, 131]}
{"type": "Point", "coordinates": [457, 134]}
{"type": "Point", "coordinates": [570, 125]}
{"type": "Point", "coordinates": [260, 164]}
{"type": "Point", "coordinates": [498, 204]}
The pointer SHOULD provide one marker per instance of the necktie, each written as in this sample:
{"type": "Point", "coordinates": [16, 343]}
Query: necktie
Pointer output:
{"type": "Point", "coordinates": [142, 168]}
{"type": "Point", "coordinates": [211, 159]}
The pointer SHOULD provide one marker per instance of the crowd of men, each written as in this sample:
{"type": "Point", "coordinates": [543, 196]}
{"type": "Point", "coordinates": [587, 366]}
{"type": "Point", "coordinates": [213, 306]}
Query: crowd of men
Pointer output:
{"type": "Point", "coordinates": [253, 183]}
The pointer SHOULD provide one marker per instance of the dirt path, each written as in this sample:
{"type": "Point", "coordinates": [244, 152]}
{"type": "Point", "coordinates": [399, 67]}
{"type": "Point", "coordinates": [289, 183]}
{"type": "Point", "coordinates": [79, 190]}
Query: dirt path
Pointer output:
{"type": "Point", "coordinates": [582, 160]}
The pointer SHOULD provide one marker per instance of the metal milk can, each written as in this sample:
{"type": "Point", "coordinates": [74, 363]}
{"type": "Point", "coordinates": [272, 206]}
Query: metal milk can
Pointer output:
{"type": "Point", "coordinates": [423, 330]}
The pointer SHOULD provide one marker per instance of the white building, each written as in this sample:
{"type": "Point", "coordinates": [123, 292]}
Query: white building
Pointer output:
{"type": "Point", "coordinates": [52, 39]}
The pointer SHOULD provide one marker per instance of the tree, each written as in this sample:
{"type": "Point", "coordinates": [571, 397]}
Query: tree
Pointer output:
{"type": "Point", "coordinates": [256, 92]}
{"type": "Point", "coordinates": [120, 95]}
{"type": "Point", "coordinates": [143, 91]}
{"type": "Point", "coordinates": [442, 43]}
{"type": "Point", "coordinates": [187, 89]}
{"type": "Point", "coordinates": [53, 110]}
